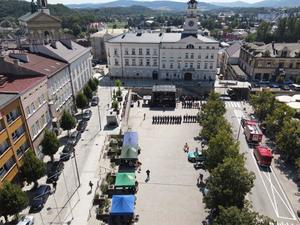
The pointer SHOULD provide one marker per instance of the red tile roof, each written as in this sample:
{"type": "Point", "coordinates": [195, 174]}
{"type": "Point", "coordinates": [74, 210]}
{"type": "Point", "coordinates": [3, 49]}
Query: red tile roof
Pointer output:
{"type": "Point", "coordinates": [20, 84]}
{"type": "Point", "coordinates": [39, 64]}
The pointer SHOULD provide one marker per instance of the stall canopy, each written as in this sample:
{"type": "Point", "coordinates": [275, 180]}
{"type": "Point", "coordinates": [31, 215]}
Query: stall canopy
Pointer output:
{"type": "Point", "coordinates": [122, 205]}
{"type": "Point", "coordinates": [125, 180]}
{"type": "Point", "coordinates": [130, 146]}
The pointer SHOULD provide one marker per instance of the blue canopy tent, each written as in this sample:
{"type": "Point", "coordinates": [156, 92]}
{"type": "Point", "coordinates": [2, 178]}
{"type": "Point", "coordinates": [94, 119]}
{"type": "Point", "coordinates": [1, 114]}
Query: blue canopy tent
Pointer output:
{"type": "Point", "coordinates": [130, 139]}
{"type": "Point", "coordinates": [122, 205]}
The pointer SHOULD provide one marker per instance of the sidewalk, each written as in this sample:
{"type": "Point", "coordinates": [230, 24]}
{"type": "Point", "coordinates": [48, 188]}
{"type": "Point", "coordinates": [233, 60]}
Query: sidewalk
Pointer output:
{"type": "Point", "coordinates": [90, 173]}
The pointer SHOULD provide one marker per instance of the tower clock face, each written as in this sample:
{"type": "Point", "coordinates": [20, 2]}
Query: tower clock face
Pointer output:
{"type": "Point", "coordinates": [191, 23]}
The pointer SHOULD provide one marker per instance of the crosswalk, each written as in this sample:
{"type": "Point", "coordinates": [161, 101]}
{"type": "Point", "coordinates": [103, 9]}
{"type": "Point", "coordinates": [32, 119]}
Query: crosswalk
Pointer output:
{"type": "Point", "coordinates": [232, 104]}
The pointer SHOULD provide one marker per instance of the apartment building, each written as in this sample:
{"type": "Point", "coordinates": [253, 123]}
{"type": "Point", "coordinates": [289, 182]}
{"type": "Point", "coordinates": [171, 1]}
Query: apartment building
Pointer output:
{"type": "Point", "coordinates": [269, 61]}
{"type": "Point", "coordinates": [33, 96]}
{"type": "Point", "coordinates": [14, 136]}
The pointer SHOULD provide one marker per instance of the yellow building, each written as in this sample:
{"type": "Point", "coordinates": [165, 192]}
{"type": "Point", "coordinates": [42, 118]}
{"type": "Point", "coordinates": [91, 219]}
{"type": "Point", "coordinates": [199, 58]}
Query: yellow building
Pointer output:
{"type": "Point", "coordinates": [14, 136]}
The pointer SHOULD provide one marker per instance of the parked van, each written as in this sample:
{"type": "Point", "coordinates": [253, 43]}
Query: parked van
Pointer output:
{"type": "Point", "coordinates": [263, 156]}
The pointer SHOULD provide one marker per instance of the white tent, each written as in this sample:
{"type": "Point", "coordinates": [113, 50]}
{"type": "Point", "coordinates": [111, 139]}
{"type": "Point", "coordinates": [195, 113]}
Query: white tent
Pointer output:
{"type": "Point", "coordinates": [284, 98]}
{"type": "Point", "coordinates": [296, 98]}
{"type": "Point", "coordinates": [294, 105]}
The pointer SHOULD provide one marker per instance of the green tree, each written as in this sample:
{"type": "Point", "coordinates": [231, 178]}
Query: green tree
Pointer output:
{"type": "Point", "coordinates": [12, 200]}
{"type": "Point", "coordinates": [244, 216]}
{"type": "Point", "coordinates": [212, 124]}
{"type": "Point", "coordinates": [228, 184]}
{"type": "Point", "coordinates": [32, 168]}
{"type": "Point", "coordinates": [50, 144]}
{"type": "Point", "coordinates": [274, 121]}
{"type": "Point", "coordinates": [81, 101]}
{"type": "Point", "coordinates": [288, 141]}
{"type": "Point", "coordinates": [264, 32]}
{"type": "Point", "coordinates": [88, 92]}
{"type": "Point", "coordinates": [220, 147]}
{"type": "Point", "coordinates": [263, 103]}
{"type": "Point", "coordinates": [93, 86]}
{"type": "Point", "coordinates": [118, 84]}
{"type": "Point", "coordinates": [67, 121]}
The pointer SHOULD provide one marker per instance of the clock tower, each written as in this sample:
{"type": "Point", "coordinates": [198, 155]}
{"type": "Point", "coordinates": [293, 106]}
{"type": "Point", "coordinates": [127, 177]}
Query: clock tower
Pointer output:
{"type": "Point", "coordinates": [190, 26]}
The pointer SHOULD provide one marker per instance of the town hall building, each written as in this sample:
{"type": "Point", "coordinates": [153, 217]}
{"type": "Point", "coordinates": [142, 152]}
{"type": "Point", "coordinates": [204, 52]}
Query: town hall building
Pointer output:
{"type": "Point", "coordinates": [169, 56]}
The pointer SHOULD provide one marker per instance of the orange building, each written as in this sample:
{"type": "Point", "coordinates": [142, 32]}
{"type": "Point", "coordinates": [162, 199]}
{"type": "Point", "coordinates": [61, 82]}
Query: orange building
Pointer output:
{"type": "Point", "coordinates": [14, 136]}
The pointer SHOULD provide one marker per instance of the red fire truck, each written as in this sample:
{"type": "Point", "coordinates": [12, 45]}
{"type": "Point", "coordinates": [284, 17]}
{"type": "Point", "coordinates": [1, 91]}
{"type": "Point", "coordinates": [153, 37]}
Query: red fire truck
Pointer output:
{"type": "Point", "coordinates": [252, 132]}
{"type": "Point", "coordinates": [263, 155]}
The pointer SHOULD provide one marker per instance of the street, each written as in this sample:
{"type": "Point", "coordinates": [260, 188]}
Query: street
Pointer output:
{"type": "Point", "coordinates": [268, 196]}
{"type": "Point", "coordinates": [58, 209]}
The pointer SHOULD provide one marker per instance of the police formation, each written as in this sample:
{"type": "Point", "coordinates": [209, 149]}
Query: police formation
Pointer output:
{"type": "Point", "coordinates": [190, 104]}
{"type": "Point", "coordinates": [175, 119]}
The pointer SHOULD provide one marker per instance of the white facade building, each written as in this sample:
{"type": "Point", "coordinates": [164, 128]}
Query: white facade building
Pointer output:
{"type": "Point", "coordinates": [171, 56]}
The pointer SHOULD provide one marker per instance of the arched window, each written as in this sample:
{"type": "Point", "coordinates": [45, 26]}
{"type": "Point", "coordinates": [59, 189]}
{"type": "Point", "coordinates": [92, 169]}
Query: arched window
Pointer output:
{"type": "Point", "coordinates": [190, 46]}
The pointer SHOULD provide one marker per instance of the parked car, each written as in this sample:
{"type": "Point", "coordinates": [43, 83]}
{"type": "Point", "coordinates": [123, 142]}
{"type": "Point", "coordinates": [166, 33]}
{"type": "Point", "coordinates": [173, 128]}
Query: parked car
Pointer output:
{"type": "Point", "coordinates": [87, 114]}
{"type": "Point", "coordinates": [285, 87]}
{"type": "Point", "coordinates": [196, 156]}
{"type": "Point", "coordinates": [40, 197]}
{"type": "Point", "coordinates": [74, 138]}
{"type": "Point", "coordinates": [95, 101]}
{"type": "Point", "coordinates": [26, 220]}
{"type": "Point", "coordinates": [82, 126]}
{"type": "Point", "coordinates": [66, 153]}
{"type": "Point", "coordinates": [55, 171]}
{"type": "Point", "coordinates": [274, 86]}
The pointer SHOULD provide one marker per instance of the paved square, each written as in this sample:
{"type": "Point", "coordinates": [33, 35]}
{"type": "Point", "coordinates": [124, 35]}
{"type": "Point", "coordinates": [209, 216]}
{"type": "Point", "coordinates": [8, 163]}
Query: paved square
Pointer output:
{"type": "Point", "coordinates": [171, 196]}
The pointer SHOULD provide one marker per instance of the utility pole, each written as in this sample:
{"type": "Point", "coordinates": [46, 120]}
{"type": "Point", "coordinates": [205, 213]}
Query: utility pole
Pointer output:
{"type": "Point", "coordinates": [99, 116]}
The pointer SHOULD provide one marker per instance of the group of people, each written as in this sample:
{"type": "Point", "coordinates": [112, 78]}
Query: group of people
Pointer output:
{"type": "Point", "coordinates": [190, 105]}
{"type": "Point", "coordinates": [175, 119]}
{"type": "Point", "coordinates": [191, 119]}
{"type": "Point", "coordinates": [167, 119]}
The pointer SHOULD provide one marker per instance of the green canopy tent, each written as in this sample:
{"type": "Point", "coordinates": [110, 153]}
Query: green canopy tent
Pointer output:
{"type": "Point", "coordinates": [125, 180]}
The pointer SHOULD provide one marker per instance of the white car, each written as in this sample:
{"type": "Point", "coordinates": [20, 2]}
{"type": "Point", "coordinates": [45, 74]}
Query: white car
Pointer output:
{"type": "Point", "coordinates": [26, 220]}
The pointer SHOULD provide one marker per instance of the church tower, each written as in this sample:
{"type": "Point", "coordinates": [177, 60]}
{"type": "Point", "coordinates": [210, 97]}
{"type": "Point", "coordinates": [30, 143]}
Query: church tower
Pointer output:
{"type": "Point", "coordinates": [190, 25]}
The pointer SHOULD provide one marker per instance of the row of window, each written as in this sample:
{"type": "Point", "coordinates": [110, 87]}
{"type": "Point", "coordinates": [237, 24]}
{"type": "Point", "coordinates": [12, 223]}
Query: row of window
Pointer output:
{"type": "Point", "coordinates": [39, 125]}
{"type": "Point", "coordinates": [289, 65]}
{"type": "Point", "coordinates": [59, 83]}
{"type": "Point", "coordinates": [140, 62]}
{"type": "Point", "coordinates": [4, 146]}
{"type": "Point", "coordinates": [190, 65]}
{"type": "Point", "coordinates": [35, 105]}
{"type": "Point", "coordinates": [7, 166]}
{"type": "Point", "coordinates": [139, 51]}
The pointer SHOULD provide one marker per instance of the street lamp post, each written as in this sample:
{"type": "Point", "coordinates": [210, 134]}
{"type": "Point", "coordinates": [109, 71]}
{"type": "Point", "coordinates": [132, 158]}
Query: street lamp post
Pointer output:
{"type": "Point", "coordinates": [99, 116]}
{"type": "Point", "coordinates": [240, 124]}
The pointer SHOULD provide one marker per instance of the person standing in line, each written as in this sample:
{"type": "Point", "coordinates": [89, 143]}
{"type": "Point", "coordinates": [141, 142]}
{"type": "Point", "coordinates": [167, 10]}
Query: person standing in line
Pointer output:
{"type": "Point", "coordinates": [91, 185]}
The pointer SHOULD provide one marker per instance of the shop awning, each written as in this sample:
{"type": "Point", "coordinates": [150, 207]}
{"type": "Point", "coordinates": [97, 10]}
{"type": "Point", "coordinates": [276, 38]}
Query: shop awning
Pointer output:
{"type": "Point", "coordinates": [129, 152]}
{"type": "Point", "coordinates": [125, 180]}
{"type": "Point", "coordinates": [122, 205]}
{"type": "Point", "coordinates": [130, 139]}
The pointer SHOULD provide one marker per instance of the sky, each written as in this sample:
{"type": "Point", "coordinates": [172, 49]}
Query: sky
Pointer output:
{"type": "Point", "coordinates": [101, 1]}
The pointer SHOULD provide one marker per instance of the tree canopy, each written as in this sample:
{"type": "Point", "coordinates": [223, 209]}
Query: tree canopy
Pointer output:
{"type": "Point", "coordinates": [50, 144]}
{"type": "Point", "coordinates": [12, 200]}
{"type": "Point", "coordinates": [228, 184]}
{"type": "Point", "coordinates": [81, 101]}
{"type": "Point", "coordinates": [32, 168]}
{"type": "Point", "coordinates": [67, 121]}
{"type": "Point", "coordinates": [88, 92]}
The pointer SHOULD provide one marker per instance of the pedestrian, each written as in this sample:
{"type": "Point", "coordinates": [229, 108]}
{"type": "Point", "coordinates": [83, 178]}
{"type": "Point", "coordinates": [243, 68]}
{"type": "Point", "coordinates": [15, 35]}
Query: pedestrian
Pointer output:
{"type": "Point", "coordinates": [54, 184]}
{"type": "Point", "coordinates": [201, 177]}
{"type": "Point", "coordinates": [148, 174]}
{"type": "Point", "coordinates": [144, 116]}
{"type": "Point", "coordinates": [91, 185]}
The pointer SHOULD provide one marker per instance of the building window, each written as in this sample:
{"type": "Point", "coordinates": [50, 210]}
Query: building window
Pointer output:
{"type": "Point", "coordinates": [200, 47]}
{"type": "Point", "coordinates": [17, 133]}
{"type": "Point", "coordinates": [186, 55]}
{"type": "Point", "coordinates": [133, 62]}
{"type": "Point", "coordinates": [116, 62]}
{"type": "Point", "coordinates": [199, 56]}
{"type": "Point", "coordinates": [207, 47]}
{"type": "Point", "coordinates": [12, 116]}
{"type": "Point", "coordinates": [205, 66]}
{"type": "Point", "coordinates": [191, 65]}
{"type": "Point", "coordinates": [206, 56]}
{"type": "Point", "coordinates": [212, 56]}
{"type": "Point", "coordinates": [154, 51]}
{"type": "Point", "coordinates": [126, 62]}
{"type": "Point", "coordinates": [211, 65]}
{"type": "Point", "coordinates": [147, 62]}
{"type": "Point", "coordinates": [133, 51]}
{"type": "Point", "coordinates": [213, 47]}
{"type": "Point", "coordinates": [141, 62]}
{"type": "Point", "coordinates": [148, 51]}
{"type": "Point", "coordinates": [163, 65]}
{"type": "Point", "coordinates": [115, 51]}
{"type": "Point", "coordinates": [178, 66]}
{"type": "Point", "coordinates": [186, 65]}
{"type": "Point", "coordinates": [154, 62]}
{"type": "Point", "coordinates": [171, 65]}
{"type": "Point", "coordinates": [126, 51]}
{"type": "Point", "coordinates": [190, 46]}
{"type": "Point", "coordinates": [4, 146]}
{"type": "Point", "coordinates": [140, 51]}
{"type": "Point", "coordinates": [198, 66]}
{"type": "Point", "coordinates": [22, 149]}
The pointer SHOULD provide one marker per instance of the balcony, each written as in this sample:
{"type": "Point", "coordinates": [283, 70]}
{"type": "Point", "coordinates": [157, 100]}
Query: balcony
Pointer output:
{"type": "Point", "coordinates": [18, 133]}
{"type": "Point", "coordinates": [11, 117]}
